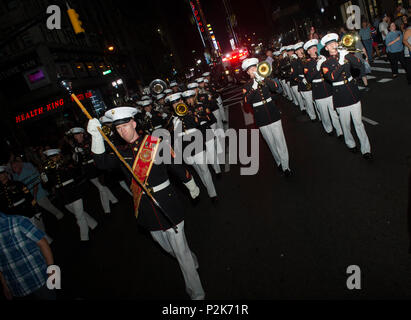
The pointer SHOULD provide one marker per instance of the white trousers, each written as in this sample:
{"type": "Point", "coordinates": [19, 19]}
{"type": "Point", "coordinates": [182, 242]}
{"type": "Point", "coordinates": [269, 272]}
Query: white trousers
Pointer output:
{"type": "Point", "coordinates": [354, 112]}
{"type": "Point", "coordinates": [199, 163]}
{"type": "Point", "coordinates": [37, 220]}
{"type": "Point", "coordinates": [221, 108]}
{"type": "Point", "coordinates": [325, 107]}
{"type": "Point", "coordinates": [46, 204]}
{"type": "Point", "coordinates": [274, 136]}
{"type": "Point", "coordinates": [308, 101]}
{"type": "Point", "coordinates": [176, 245]}
{"type": "Point", "coordinates": [84, 220]}
{"type": "Point", "coordinates": [288, 90]}
{"type": "Point", "coordinates": [106, 196]}
{"type": "Point", "coordinates": [298, 98]}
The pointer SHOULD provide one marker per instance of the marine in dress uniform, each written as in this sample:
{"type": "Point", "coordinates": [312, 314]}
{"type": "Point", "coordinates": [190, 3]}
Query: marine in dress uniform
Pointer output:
{"type": "Point", "coordinates": [293, 76]}
{"type": "Point", "coordinates": [283, 65]}
{"type": "Point", "coordinates": [304, 87]}
{"type": "Point", "coordinates": [152, 120]}
{"type": "Point", "coordinates": [16, 199]}
{"type": "Point", "coordinates": [257, 92]}
{"type": "Point", "coordinates": [216, 95]}
{"type": "Point", "coordinates": [187, 127]}
{"type": "Point", "coordinates": [115, 175]}
{"type": "Point", "coordinates": [68, 183]}
{"type": "Point", "coordinates": [322, 90]}
{"type": "Point", "coordinates": [346, 95]}
{"type": "Point", "coordinates": [83, 157]}
{"type": "Point", "coordinates": [206, 122]}
{"type": "Point", "coordinates": [140, 155]}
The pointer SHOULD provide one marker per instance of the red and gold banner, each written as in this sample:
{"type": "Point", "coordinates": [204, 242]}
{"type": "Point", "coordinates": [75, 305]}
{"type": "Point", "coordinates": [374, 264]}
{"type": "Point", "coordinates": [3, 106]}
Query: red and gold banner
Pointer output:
{"type": "Point", "coordinates": [142, 166]}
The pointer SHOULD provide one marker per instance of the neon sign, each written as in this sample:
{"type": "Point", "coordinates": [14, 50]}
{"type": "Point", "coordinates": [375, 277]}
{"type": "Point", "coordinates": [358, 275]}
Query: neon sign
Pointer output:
{"type": "Point", "coordinates": [52, 106]}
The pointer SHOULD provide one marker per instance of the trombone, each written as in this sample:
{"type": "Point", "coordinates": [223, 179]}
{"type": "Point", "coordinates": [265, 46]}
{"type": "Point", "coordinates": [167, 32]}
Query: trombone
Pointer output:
{"type": "Point", "coordinates": [264, 69]}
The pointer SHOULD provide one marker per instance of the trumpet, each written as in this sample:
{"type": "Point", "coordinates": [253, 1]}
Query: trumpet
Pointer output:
{"type": "Point", "coordinates": [181, 109]}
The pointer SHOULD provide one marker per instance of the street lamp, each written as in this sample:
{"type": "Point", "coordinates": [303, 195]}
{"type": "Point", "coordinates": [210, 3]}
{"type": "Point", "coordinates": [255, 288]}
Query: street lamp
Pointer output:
{"type": "Point", "coordinates": [110, 48]}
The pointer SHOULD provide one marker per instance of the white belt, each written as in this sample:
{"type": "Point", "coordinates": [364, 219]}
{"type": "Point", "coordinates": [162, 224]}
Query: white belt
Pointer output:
{"type": "Point", "coordinates": [161, 186]}
{"type": "Point", "coordinates": [339, 83]}
{"type": "Point", "coordinates": [203, 122]}
{"type": "Point", "coordinates": [158, 127]}
{"type": "Point", "coordinates": [301, 75]}
{"type": "Point", "coordinates": [19, 202]}
{"type": "Point", "coordinates": [317, 80]}
{"type": "Point", "coordinates": [90, 161]}
{"type": "Point", "coordinates": [65, 183]}
{"type": "Point", "coordinates": [261, 102]}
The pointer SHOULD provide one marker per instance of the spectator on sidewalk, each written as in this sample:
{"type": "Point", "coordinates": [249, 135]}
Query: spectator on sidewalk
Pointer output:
{"type": "Point", "coordinates": [313, 34]}
{"type": "Point", "coordinates": [24, 258]}
{"type": "Point", "coordinates": [383, 27]}
{"type": "Point", "coordinates": [375, 42]}
{"type": "Point", "coordinates": [395, 49]}
{"type": "Point", "coordinates": [26, 173]}
{"type": "Point", "coordinates": [366, 38]}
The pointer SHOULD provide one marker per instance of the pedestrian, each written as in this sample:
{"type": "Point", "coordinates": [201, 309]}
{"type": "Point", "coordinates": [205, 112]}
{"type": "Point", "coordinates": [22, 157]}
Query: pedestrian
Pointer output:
{"type": "Point", "coordinates": [383, 27]}
{"type": "Point", "coordinates": [24, 258]}
{"type": "Point", "coordinates": [257, 92]}
{"type": "Point", "coordinates": [141, 154]}
{"type": "Point", "coordinates": [15, 198]}
{"type": "Point", "coordinates": [366, 38]}
{"type": "Point", "coordinates": [395, 49]}
{"type": "Point", "coordinates": [346, 95]}
{"type": "Point", "coordinates": [26, 173]}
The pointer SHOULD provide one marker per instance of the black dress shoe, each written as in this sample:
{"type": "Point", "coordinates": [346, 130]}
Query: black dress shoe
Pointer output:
{"type": "Point", "coordinates": [287, 173]}
{"type": "Point", "coordinates": [340, 137]}
{"type": "Point", "coordinates": [219, 175]}
{"type": "Point", "coordinates": [368, 156]}
{"type": "Point", "coordinates": [353, 150]}
{"type": "Point", "coordinates": [279, 168]}
{"type": "Point", "coordinates": [214, 200]}
{"type": "Point", "coordinates": [313, 120]}
{"type": "Point", "coordinates": [330, 133]}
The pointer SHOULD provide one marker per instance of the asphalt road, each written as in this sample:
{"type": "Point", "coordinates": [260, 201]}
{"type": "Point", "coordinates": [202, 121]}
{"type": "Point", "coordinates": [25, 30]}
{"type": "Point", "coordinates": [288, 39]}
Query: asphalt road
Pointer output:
{"type": "Point", "coordinates": [270, 237]}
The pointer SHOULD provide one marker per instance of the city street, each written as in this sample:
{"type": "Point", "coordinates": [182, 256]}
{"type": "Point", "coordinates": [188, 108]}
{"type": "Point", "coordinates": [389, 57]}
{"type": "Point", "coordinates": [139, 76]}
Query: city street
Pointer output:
{"type": "Point", "coordinates": [270, 237]}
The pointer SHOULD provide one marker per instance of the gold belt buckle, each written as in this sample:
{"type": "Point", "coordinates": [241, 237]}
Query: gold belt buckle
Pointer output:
{"type": "Point", "coordinates": [345, 81]}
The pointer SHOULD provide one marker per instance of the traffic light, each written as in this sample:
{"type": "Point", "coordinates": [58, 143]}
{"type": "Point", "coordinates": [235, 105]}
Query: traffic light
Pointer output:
{"type": "Point", "coordinates": [76, 23]}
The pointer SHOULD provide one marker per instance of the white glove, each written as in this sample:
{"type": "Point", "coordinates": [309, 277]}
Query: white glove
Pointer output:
{"type": "Point", "coordinates": [97, 142]}
{"type": "Point", "coordinates": [164, 115]}
{"type": "Point", "coordinates": [255, 85]}
{"type": "Point", "coordinates": [149, 114]}
{"type": "Point", "coordinates": [305, 81]}
{"type": "Point", "coordinates": [285, 55]}
{"type": "Point", "coordinates": [294, 56]}
{"type": "Point", "coordinates": [259, 78]}
{"type": "Point", "coordinates": [79, 149]}
{"type": "Point", "coordinates": [343, 53]}
{"type": "Point", "coordinates": [193, 188]}
{"type": "Point", "coordinates": [320, 61]}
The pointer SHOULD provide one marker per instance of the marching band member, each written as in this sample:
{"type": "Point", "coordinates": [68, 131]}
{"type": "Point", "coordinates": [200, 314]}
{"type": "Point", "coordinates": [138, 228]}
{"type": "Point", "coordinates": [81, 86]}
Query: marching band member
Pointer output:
{"type": "Point", "coordinates": [187, 126]}
{"type": "Point", "coordinates": [304, 87]}
{"type": "Point", "coordinates": [68, 183]}
{"type": "Point", "coordinates": [346, 95]}
{"type": "Point", "coordinates": [140, 155]}
{"type": "Point", "coordinates": [83, 157]}
{"type": "Point", "coordinates": [206, 122]}
{"type": "Point", "coordinates": [322, 90]}
{"type": "Point", "coordinates": [294, 79]}
{"type": "Point", "coordinates": [257, 92]}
